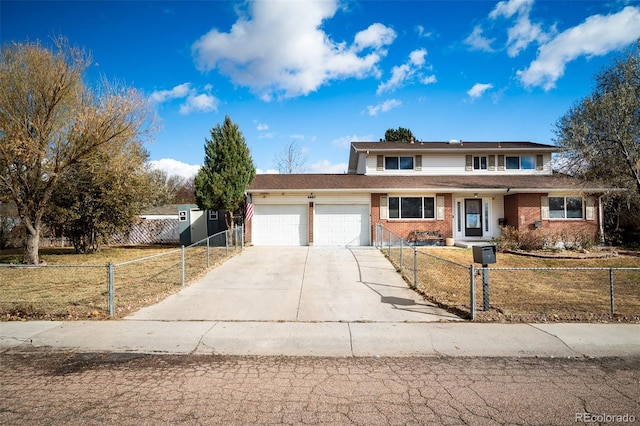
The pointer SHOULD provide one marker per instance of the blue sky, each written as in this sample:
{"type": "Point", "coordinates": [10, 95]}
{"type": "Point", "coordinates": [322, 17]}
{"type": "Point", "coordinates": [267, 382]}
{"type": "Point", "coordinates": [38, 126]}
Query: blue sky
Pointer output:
{"type": "Point", "coordinates": [326, 73]}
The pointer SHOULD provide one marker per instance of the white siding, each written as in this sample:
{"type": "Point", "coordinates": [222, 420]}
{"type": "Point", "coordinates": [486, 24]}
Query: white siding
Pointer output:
{"type": "Point", "coordinates": [454, 164]}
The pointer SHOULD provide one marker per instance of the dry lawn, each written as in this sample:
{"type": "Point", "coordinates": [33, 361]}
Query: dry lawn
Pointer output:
{"type": "Point", "coordinates": [528, 295]}
{"type": "Point", "coordinates": [76, 287]}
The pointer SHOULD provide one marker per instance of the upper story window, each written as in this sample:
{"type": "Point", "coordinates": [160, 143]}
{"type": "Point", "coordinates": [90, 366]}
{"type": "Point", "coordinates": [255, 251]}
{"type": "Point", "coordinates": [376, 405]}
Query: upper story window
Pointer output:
{"type": "Point", "coordinates": [565, 208]}
{"type": "Point", "coordinates": [412, 208]}
{"type": "Point", "coordinates": [398, 163]}
{"type": "Point", "coordinates": [521, 162]}
{"type": "Point", "coordinates": [480, 162]}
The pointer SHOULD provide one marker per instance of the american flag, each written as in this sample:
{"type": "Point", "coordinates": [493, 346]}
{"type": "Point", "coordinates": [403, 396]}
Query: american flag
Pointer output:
{"type": "Point", "coordinates": [248, 212]}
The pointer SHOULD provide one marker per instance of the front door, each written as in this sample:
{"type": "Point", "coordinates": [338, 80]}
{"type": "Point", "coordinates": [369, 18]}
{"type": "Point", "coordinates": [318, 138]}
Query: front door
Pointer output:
{"type": "Point", "coordinates": [473, 217]}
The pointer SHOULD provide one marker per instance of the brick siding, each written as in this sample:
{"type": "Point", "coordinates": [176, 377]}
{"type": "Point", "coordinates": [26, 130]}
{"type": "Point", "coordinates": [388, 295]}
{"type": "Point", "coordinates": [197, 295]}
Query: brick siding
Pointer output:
{"type": "Point", "coordinates": [523, 210]}
{"type": "Point", "coordinates": [403, 228]}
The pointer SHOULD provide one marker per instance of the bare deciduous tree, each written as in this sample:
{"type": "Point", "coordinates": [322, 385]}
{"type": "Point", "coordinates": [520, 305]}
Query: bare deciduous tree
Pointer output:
{"type": "Point", "coordinates": [291, 160]}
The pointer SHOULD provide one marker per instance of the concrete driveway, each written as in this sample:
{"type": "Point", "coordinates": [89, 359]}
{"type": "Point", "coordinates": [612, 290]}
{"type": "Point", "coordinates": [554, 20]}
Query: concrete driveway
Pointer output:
{"type": "Point", "coordinates": [306, 284]}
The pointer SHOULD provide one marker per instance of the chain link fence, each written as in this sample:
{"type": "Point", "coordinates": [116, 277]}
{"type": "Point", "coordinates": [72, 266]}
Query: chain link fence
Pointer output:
{"type": "Point", "coordinates": [114, 289]}
{"type": "Point", "coordinates": [516, 293]}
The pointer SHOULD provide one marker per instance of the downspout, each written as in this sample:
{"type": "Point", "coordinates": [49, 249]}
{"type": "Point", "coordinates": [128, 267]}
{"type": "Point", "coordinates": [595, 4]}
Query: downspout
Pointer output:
{"type": "Point", "coordinates": [601, 219]}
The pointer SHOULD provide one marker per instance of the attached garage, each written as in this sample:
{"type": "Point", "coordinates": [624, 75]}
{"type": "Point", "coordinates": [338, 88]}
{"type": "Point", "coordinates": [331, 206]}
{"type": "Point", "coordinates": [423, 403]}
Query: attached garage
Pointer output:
{"type": "Point", "coordinates": [341, 225]}
{"type": "Point", "coordinates": [280, 225]}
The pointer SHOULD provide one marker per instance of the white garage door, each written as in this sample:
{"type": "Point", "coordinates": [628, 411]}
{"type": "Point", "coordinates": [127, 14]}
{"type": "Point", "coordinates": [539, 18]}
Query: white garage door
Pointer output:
{"type": "Point", "coordinates": [280, 225]}
{"type": "Point", "coordinates": [341, 225]}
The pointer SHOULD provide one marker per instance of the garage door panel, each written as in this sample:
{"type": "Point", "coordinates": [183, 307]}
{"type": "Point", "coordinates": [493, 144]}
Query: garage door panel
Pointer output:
{"type": "Point", "coordinates": [339, 225]}
{"type": "Point", "coordinates": [280, 225]}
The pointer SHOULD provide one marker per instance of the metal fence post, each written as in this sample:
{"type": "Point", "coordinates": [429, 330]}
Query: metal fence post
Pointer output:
{"type": "Point", "coordinates": [415, 267]}
{"type": "Point", "coordinates": [485, 287]}
{"type": "Point", "coordinates": [389, 243]}
{"type": "Point", "coordinates": [242, 238]}
{"type": "Point", "coordinates": [401, 251]}
{"type": "Point", "coordinates": [226, 242]}
{"type": "Point", "coordinates": [208, 253]}
{"type": "Point", "coordinates": [182, 264]}
{"type": "Point", "coordinates": [472, 289]}
{"type": "Point", "coordinates": [111, 289]}
{"type": "Point", "coordinates": [611, 291]}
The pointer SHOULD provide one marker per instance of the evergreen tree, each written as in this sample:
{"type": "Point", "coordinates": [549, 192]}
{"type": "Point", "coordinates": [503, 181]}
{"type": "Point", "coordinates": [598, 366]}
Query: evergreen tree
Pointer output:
{"type": "Point", "coordinates": [398, 135]}
{"type": "Point", "coordinates": [228, 170]}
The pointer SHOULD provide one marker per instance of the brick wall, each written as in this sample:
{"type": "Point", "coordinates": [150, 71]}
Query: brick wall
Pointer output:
{"type": "Point", "coordinates": [310, 213]}
{"type": "Point", "coordinates": [404, 227]}
{"type": "Point", "coordinates": [523, 210]}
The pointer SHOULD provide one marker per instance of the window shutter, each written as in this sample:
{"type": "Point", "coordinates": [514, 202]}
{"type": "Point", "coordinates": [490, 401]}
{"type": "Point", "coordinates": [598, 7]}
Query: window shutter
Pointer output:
{"type": "Point", "coordinates": [380, 163]}
{"type": "Point", "coordinates": [539, 162]}
{"type": "Point", "coordinates": [384, 207]}
{"type": "Point", "coordinates": [440, 207]}
{"type": "Point", "coordinates": [418, 162]}
{"type": "Point", "coordinates": [544, 208]}
{"type": "Point", "coordinates": [468, 166]}
{"type": "Point", "coordinates": [492, 162]}
{"type": "Point", "coordinates": [590, 208]}
{"type": "Point", "coordinates": [500, 162]}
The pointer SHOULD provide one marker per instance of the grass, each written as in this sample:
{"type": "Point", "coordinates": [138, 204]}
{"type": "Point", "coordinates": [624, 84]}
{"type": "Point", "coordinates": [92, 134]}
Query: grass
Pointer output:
{"type": "Point", "coordinates": [75, 286]}
{"type": "Point", "coordinates": [528, 295]}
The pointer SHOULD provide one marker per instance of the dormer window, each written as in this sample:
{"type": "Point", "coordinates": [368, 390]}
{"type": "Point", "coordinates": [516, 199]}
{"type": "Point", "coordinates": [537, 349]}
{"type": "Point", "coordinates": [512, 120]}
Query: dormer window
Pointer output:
{"type": "Point", "coordinates": [398, 163]}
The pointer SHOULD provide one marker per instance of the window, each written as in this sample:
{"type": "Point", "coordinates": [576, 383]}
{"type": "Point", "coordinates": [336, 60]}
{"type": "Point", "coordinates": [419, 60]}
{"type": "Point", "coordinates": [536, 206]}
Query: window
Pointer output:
{"type": "Point", "coordinates": [398, 163]}
{"type": "Point", "coordinates": [524, 162]}
{"type": "Point", "coordinates": [527, 162]}
{"type": "Point", "coordinates": [480, 163]}
{"type": "Point", "coordinates": [213, 214]}
{"type": "Point", "coordinates": [565, 207]}
{"type": "Point", "coordinates": [512, 163]}
{"type": "Point", "coordinates": [412, 208]}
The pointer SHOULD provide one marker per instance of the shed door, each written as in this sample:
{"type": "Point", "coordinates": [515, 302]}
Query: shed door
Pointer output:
{"type": "Point", "coordinates": [198, 226]}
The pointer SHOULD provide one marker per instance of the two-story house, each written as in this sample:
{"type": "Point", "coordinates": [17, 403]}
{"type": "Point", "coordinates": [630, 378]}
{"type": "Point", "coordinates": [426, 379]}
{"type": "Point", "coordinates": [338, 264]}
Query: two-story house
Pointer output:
{"type": "Point", "coordinates": [464, 190]}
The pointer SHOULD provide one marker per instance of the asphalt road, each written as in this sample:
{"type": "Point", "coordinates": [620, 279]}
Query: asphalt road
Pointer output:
{"type": "Point", "coordinates": [136, 389]}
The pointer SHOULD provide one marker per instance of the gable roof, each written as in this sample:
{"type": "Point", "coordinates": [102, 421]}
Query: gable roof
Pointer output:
{"type": "Point", "coordinates": [382, 183]}
{"type": "Point", "coordinates": [439, 147]}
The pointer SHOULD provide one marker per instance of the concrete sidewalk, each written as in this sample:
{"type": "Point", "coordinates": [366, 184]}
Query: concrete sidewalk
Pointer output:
{"type": "Point", "coordinates": [339, 339]}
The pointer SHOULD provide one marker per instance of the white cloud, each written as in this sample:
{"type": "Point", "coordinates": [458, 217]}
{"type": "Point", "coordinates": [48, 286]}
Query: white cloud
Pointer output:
{"type": "Point", "coordinates": [325, 166]}
{"type": "Point", "coordinates": [385, 106]}
{"type": "Point", "coordinates": [199, 103]}
{"type": "Point", "coordinates": [278, 49]}
{"type": "Point", "coordinates": [523, 32]}
{"type": "Point", "coordinates": [404, 73]}
{"type": "Point", "coordinates": [180, 91]}
{"type": "Point", "coordinates": [422, 32]}
{"type": "Point", "coordinates": [478, 90]}
{"type": "Point", "coordinates": [175, 168]}
{"type": "Point", "coordinates": [345, 141]}
{"type": "Point", "coordinates": [430, 79]}
{"type": "Point", "coordinates": [478, 42]}
{"type": "Point", "coordinates": [267, 172]}
{"type": "Point", "coordinates": [261, 127]}
{"type": "Point", "coordinates": [597, 36]}
{"type": "Point", "coordinates": [194, 102]}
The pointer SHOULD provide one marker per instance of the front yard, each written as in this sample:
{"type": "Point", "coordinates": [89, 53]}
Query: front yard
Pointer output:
{"type": "Point", "coordinates": [74, 287]}
{"type": "Point", "coordinates": [526, 288]}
